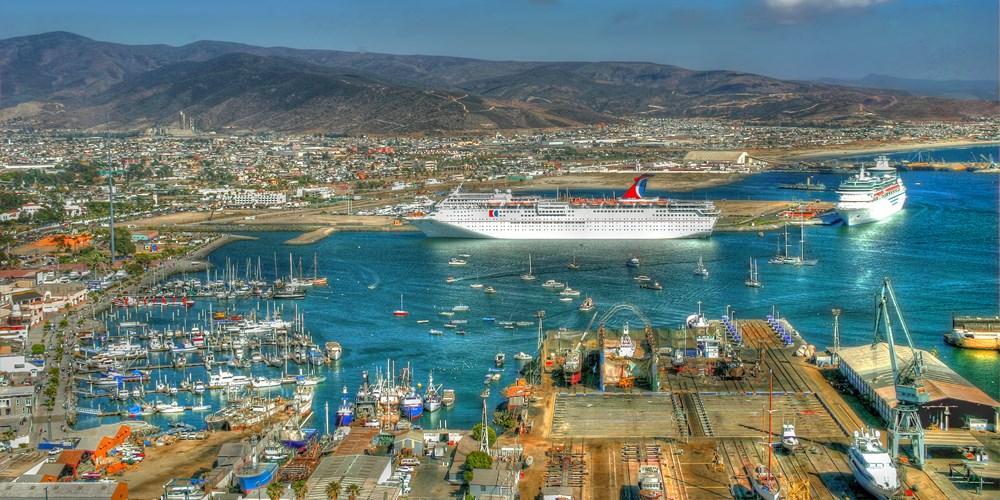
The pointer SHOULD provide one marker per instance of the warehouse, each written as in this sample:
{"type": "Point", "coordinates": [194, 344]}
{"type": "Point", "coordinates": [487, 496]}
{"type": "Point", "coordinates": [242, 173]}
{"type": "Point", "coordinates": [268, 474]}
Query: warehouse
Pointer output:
{"type": "Point", "coordinates": [953, 400]}
{"type": "Point", "coordinates": [723, 158]}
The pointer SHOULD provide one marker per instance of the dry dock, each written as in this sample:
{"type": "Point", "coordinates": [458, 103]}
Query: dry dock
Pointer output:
{"type": "Point", "coordinates": [701, 421]}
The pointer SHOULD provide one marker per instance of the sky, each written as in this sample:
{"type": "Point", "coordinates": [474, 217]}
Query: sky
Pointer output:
{"type": "Point", "coordinates": [802, 39]}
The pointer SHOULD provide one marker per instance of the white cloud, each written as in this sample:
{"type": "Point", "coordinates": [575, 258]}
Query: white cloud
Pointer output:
{"type": "Point", "coordinates": [819, 4]}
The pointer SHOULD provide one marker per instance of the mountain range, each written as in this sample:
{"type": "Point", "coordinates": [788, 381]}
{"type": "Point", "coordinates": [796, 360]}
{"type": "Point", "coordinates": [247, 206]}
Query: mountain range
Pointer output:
{"type": "Point", "coordinates": [63, 80]}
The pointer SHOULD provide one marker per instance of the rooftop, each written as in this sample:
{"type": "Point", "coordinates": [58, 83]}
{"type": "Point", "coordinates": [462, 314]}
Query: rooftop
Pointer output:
{"type": "Point", "coordinates": [64, 491]}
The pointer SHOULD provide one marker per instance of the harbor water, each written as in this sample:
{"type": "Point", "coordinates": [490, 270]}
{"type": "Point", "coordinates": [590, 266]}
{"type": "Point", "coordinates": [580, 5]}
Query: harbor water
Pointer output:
{"type": "Point", "coordinates": [940, 251]}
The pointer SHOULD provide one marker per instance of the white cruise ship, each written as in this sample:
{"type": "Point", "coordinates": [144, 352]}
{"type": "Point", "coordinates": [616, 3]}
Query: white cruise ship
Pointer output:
{"type": "Point", "coordinates": [871, 195]}
{"type": "Point", "coordinates": [505, 216]}
{"type": "Point", "coordinates": [872, 466]}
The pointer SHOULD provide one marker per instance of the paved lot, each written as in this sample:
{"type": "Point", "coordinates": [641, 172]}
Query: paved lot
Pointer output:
{"type": "Point", "coordinates": [634, 416]}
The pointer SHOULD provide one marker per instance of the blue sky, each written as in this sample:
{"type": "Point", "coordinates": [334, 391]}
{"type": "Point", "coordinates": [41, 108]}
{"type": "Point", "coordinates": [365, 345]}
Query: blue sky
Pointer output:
{"type": "Point", "coordinates": [939, 39]}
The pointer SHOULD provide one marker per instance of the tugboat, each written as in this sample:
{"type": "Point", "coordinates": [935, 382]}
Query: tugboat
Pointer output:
{"type": "Point", "coordinates": [345, 414]}
{"type": "Point", "coordinates": [872, 466]}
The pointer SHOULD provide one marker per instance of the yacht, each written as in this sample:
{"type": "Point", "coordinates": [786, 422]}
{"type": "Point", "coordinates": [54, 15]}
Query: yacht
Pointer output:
{"type": "Point", "coordinates": [553, 284]}
{"type": "Point", "coordinates": [789, 441]}
{"type": "Point", "coordinates": [523, 356]}
{"type": "Point", "coordinates": [632, 262]}
{"type": "Point", "coordinates": [872, 466]}
{"type": "Point", "coordinates": [569, 292]}
{"type": "Point", "coordinates": [753, 280]}
{"type": "Point", "coordinates": [528, 276]}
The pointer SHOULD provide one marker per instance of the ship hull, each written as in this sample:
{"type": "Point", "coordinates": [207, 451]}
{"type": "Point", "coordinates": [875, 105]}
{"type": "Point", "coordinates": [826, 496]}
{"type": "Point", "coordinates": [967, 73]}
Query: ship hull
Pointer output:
{"type": "Point", "coordinates": [868, 484]}
{"type": "Point", "coordinates": [412, 412]}
{"type": "Point", "coordinates": [982, 343]}
{"type": "Point", "coordinates": [259, 477]}
{"type": "Point", "coordinates": [877, 211]}
{"type": "Point", "coordinates": [344, 419]}
{"type": "Point", "coordinates": [564, 230]}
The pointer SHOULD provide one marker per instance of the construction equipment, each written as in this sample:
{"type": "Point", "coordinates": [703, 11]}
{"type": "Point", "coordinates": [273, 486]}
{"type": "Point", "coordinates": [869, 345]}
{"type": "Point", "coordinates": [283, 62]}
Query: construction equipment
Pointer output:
{"type": "Point", "coordinates": [908, 379]}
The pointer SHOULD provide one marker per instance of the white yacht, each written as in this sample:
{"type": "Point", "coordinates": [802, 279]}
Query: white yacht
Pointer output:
{"type": "Point", "coordinates": [872, 466]}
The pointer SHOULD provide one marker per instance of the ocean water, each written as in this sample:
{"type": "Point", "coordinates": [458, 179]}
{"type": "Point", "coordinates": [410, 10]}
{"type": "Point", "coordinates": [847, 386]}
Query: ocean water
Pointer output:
{"type": "Point", "coordinates": [940, 252]}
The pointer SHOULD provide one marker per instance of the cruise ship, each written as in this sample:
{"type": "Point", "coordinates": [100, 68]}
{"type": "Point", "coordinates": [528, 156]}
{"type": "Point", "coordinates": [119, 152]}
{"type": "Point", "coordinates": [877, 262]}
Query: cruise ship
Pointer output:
{"type": "Point", "coordinates": [502, 215]}
{"type": "Point", "coordinates": [871, 195]}
{"type": "Point", "coordinates": [872, 466]}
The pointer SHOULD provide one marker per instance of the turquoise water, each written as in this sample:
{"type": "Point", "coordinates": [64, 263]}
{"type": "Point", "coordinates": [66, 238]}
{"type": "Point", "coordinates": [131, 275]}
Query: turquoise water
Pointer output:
{"type": "Point", "coordinates": [941, 253]}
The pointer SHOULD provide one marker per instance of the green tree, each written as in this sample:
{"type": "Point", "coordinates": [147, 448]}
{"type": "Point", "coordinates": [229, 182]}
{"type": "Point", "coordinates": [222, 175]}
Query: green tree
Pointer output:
{"type": "Point", "coordinates": [333, 490]}
{"type": "Point", "coordinates": [37, 349]}
{"type": "Point", "coordinates": [476, 460]}
{"type": "Point", "coordinates": [478, 428]}
{"type": "Point", "coordinates": [300, 489]}
{"type": "Point", "coordinates": [275, 489]}
{"type": "Point", "coordinates": [503, 419]}
{"type": "Point", "coordinates": [353, 490]}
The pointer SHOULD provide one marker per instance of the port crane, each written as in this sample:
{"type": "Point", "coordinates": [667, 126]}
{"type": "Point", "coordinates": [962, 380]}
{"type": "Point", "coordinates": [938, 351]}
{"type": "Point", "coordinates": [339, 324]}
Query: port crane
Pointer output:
{"type": "Point", "coordinates": [908, 377]}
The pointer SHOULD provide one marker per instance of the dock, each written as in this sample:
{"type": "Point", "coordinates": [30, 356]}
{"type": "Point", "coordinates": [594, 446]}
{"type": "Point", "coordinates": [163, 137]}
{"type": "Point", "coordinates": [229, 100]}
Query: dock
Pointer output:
{"type": "Point", "coordinates": [703, 427]}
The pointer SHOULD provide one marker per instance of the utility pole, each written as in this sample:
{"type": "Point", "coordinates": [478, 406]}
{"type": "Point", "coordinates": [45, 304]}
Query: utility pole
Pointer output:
{"type": "Point", "coordinates": [836, 336]}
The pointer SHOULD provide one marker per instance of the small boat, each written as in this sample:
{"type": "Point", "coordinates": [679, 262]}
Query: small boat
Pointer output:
{"type": "Point", "coordinates": [460, 332]}
{"type": "Point", "coordinates": [573, 266]}
{"type": "Point", "coordinates": [265, 383]}
{"type": "Point", "coordinates": [485, 393]}
{"type": "Point", "coordinates": [505, 323]}
{"type": "Point", "coordinates": [460, 308]}
{"type": "Point", "coordinates": [435, 331]}
{"type": "Point", "coordinates": [499, 359]}
{"type": "Point", "coordinates": [490, 290]}
{"type": "Point", "coordinates": [423, 321]}
{"type": "Point", "coordinates": [569, 292]}
{"type": "Point", "coordinates": [399, 313]}
{"type": "Point", "coordinates": [789, 441]}
{"type": "Point", "coordinates": [587, 305]}
{"type": "Point", "coordinates": [700, 269]}
{"type": "Point", "coordinates": [448, 397]}
{"type": "Point", "coordinates": [565, 299]}
{"type": "Point", "coordinates": [651, 483]}
{"type": "Point", "coordinates": [476, 285]}
{"type": "Point", "coordinates": [528, 276]}
{"type": "Point", "coordinates": [553, 284]}
{"type": "Point", "coordinates": [651, 285]}
{"type": "Point", "coordinates": [372, 286]}
{"type": "Point", "coordinates": [450, 325]}
{"type": "Point", "coordinates": [642, 277]}
{"type": "Point", "coordinates": [489, 319]}
{"type": "Point", "coordinates": [523, 356]}
{"type": "Point", "coordinates": [495, 376]}
{"type": "Point", "coordinates": [459, 322]}
{"type": "Point", "coordinates": [455, 261]}
{"type": "Point", "coordinates": [632, 262]}
{"type": "Point", "coordinates": [446, 313]}
{"type": "Point", "coordinates": [524, 323]}
{"type": "Point", "coordinates": [450, 279]}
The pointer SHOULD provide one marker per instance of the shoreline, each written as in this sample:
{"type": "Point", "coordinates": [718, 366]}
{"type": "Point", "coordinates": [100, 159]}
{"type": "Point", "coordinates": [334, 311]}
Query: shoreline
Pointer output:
{"type": "Point", "coordinates": [900, 147]}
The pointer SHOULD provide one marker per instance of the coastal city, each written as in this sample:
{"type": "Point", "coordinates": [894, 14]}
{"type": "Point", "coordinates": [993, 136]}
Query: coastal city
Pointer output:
{"type": "Point", "coordinates": [236, 271]}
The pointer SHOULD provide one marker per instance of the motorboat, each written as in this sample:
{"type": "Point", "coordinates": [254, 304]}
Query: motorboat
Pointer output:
{"type": "Point", "coordinates": [499, 359]}
{"type": "Point", "coordinates": [587, 305]}
{"type": "Point", "coordinates": [553, 285]}
{"type": "Point", "coordinates": [455, 261]}
{"type": "Point", "coordinates": [523, 356]}
{"type": "Point", "coordinates": [789, 441]}
{"type": "Point", "coordinates": [872, 466]}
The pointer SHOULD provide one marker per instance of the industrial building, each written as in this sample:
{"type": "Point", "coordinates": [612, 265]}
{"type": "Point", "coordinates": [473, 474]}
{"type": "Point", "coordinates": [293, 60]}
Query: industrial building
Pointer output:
{"type": "Point", "coordinates": [371, 473]}
{"type": "Point", "coordinates": [723, 158]}
{"type": "Point", "coordinates": [64, 491]}
{"type": "Point", "coordinates": [954, 402]}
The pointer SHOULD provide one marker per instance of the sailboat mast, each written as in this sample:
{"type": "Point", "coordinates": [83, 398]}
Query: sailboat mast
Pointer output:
{"type": "Point", "coordinates": [770, 401]}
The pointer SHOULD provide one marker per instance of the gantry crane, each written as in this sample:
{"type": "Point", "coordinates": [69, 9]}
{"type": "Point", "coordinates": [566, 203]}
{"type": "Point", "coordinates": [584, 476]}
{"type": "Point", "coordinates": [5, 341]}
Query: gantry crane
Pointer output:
{"type": "Point", "coordinates": [908, 379]}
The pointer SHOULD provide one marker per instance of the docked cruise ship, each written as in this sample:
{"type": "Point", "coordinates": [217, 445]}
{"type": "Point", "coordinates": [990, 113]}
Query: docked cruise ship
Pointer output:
{"type": "Point", "coordinates": [871, 195]}
{"type": "Point", "coordinates": [505, 216]}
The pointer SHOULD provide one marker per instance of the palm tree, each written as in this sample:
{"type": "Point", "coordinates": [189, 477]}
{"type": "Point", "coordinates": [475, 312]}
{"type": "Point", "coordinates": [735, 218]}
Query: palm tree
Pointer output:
{"type": "Point", "coordinates": [353, 490]}
{"type": "Point", "coordinates": [300, 489]}
{"type": "Point", "coordinates": [333, 490]}
{"type": "Point", "coordinates": [275, 489]}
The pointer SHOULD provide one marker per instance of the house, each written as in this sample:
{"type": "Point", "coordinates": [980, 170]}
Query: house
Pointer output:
{"type": "Point", "coordinates": [499, 481]}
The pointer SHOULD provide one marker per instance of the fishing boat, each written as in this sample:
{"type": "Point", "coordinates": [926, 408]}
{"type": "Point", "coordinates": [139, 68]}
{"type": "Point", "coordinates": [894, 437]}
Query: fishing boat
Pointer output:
{"type": "Point", "coordinates": [455, 261]}
{"type": "Point", "coordinates": [400, 313]}
{"type": "Point", "coordinates": [650, 483]}
{"type": "Point", "coordinates": [448, 397]}
{"type": "Point", "coordinates": [789, 441]}
{"type": "Point", "coordinates": [632, 262]}
{"type": "Point", "coordinates": [412, 405]}
{"type": "Point", "coordinates": [872, 466]}
{"type": "Point", "coordinates": [753, 280]}
{"type": "Point", "coordinates": [523, 356]}
{"type": "Point", "coordinates": [255, 475]}
{"type": "Point", "coordinates": [528, 276]}
{"type": "Point", "coordinates": [345, 414]}
{"type": "Point", "coordinates": [499, 359]}
{"type": "Point", "coordinates": [432, 399]}
{"type": "Point", "coordinates": [700, 269]}
{"type": "Point", "coordinates": [587, 305]}
{"type": "Point", "coordinates": [296, 438]}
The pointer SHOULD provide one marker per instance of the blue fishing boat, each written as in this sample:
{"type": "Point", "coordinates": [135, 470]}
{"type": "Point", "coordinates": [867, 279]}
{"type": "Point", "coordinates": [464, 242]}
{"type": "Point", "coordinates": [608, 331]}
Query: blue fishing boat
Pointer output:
{"type": "Point", "coordinates": [345, 414]}
{"type": "Point", "coordinates": [412, 405]}
{"type": "Point", "coordinates": [296, 438]}
{"type": "Point", "coordinates": [255, 475]}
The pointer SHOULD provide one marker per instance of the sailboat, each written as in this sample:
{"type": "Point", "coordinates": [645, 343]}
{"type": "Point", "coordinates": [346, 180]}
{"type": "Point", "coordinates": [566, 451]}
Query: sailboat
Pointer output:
{"type": "Point", "coordinates": [528, 276]}
{"type": "Point", "coordinates": [753, 281]}
{"type": "Point", "coordinates": [400, 312]}
{"type": "Point", "coordinates": [801, 260]}
{"type": "Point", "coordinates": [765, 483]}
{"type": "Point", "coordinates": [317, 279]}
{"type": "Point", "coordinates": [573, 266]}
{"type": "Point", "coordinates": [781, 257]}
{"type": "Point", "coordinates": [700, 269]}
